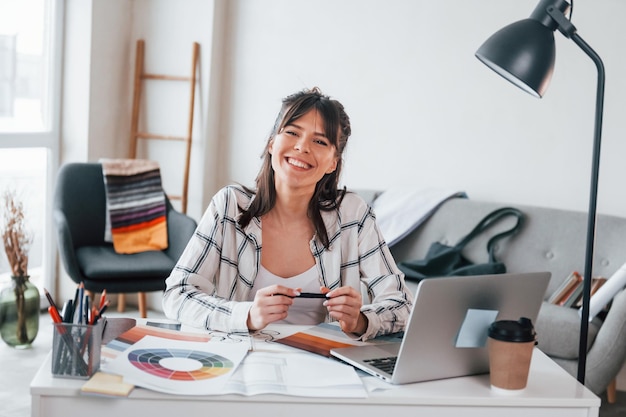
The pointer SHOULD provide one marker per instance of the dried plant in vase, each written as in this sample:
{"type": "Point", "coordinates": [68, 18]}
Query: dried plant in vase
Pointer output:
{"type": "Point", "coordinates": [19, 304]}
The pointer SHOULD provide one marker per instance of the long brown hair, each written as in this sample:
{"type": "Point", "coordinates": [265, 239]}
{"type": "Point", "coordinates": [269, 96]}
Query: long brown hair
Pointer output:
{"type": "Point", "coordinates": [327, 196]}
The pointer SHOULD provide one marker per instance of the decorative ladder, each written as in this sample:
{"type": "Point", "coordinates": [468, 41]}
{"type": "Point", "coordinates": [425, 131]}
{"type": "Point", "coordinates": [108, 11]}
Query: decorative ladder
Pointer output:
{"type": "Point", "coordinates": [135, 135]}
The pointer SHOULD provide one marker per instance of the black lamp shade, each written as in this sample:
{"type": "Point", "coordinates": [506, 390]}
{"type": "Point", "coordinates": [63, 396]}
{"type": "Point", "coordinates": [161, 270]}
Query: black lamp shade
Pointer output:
{"type": "Point", "coordinates": [523, 53]}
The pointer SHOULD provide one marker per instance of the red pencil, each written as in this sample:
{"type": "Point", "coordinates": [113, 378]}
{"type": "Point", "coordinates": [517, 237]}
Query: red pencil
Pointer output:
{"type": "Point", "coordinates": [103, 298]}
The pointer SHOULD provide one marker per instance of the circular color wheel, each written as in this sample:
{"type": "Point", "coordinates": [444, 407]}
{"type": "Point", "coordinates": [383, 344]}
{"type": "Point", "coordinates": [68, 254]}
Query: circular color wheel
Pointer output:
{"type": "Point", "coordinates": [208, 365]}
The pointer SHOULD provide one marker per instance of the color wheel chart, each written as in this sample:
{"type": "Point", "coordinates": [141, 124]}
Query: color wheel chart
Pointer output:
{"type": "Point", "coordinates": [180, 364]}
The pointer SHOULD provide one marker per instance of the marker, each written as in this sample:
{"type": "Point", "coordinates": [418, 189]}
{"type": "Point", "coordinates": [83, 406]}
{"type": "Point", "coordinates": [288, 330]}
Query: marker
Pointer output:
{"type": "Point", "coordinates": [54, 313]}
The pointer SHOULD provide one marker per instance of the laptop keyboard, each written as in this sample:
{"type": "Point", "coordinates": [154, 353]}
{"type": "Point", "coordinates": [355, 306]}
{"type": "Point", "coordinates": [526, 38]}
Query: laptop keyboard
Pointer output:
{"type": "Point", "coordinates": [384, 364]}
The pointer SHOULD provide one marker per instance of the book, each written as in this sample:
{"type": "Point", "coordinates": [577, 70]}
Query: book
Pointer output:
{"type": "Point", "coordinates": [573, 298]}
{"type": "Point", "coordinates": [575, 295]}
{"type": "Point", "coordinates": [596, 283]}
{"type": "Point", "coordinates": [565, 290]}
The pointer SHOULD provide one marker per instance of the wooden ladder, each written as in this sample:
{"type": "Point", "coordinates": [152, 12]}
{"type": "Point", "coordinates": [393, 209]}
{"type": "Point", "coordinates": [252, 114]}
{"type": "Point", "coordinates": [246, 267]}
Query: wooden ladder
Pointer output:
{"type": "Point", "coordinates": [135, 135]}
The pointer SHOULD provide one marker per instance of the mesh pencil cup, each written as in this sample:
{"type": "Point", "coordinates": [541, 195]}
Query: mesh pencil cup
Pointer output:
{"type": "Point", "coordinates": [76, 350]}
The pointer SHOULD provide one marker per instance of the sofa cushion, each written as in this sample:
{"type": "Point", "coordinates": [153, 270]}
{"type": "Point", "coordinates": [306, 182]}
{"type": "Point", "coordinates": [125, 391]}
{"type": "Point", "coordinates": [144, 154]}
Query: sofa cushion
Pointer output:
{"type": "Point", "coordinates": [558, 331]}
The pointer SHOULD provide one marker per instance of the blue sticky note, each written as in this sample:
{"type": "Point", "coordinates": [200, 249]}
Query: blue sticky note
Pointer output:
{"type": "Point", "coordinates": [475, 328]}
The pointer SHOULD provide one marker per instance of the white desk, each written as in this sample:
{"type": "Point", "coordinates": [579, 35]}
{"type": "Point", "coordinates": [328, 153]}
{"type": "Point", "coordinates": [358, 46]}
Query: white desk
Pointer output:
{"type": "Point", "coordinates": [550, 392]}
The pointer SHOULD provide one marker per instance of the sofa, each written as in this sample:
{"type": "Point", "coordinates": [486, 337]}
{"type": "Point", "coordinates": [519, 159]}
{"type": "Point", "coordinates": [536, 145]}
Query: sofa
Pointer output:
{"type": "Point", "coordinates": [550, 240]}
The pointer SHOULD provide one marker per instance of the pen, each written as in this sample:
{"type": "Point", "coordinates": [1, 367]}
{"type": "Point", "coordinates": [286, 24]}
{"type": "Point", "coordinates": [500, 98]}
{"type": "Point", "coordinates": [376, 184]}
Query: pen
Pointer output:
{"type": "Point", "coordinates": [76, 297]}
{"type": "Point", "coordinates": [68, 311]}
{"type": "Point", "coordinates": [311, 295]}
{"type": "Point", "coordinates": [79, 310]}
{"type": "Point", "coordinates": [86, 310]}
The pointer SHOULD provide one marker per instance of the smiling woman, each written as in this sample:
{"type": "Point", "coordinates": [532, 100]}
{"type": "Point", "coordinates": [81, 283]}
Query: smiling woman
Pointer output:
{"type": "Point", "coordinates": [257, 250]}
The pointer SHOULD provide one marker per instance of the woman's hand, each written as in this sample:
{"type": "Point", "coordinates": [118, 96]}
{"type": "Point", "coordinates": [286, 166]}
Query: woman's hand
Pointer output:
{"type": "Point", "coordinates": [270, 304]}
{"type": "Point", "coordinates": [344, 304]}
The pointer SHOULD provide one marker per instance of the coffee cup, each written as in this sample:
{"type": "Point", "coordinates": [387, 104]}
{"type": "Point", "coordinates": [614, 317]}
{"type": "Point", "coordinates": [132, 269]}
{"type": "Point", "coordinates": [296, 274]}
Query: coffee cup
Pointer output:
{"type": "Point", "coordinates": [510, 345]}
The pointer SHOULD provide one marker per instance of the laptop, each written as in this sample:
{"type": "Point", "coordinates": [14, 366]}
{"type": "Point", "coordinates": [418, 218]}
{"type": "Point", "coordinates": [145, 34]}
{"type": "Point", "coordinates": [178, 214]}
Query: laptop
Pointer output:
{"type": "Point", "coordinates": [446, 335]}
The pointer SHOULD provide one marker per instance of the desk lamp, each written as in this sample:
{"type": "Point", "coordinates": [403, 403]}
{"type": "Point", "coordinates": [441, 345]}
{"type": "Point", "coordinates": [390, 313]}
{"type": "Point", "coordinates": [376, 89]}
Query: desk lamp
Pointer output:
{"type": "Point", "coordinates": [524, 53]}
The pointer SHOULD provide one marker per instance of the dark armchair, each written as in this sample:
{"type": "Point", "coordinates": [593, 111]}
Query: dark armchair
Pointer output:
{"type": "Point", "coordinates": [79, 210]}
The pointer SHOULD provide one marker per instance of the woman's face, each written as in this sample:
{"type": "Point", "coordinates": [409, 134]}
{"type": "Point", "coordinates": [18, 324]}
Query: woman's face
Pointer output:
{"type": "Point", "coordinates": [302, 154]}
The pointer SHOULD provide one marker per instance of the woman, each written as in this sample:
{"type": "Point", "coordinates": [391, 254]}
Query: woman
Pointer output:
{"type": "Point", "coordinates": [256, 251]}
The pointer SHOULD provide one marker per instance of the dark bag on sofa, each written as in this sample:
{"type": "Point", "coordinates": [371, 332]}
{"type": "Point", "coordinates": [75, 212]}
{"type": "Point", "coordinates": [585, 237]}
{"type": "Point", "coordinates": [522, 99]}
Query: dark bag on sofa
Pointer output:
{"type": "Point", "coordinates": [442, 260]}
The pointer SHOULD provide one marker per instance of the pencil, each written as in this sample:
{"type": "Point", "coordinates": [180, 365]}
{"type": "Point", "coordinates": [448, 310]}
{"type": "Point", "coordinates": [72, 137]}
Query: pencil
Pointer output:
{"type": "Point", "coordinates": [50, 300]}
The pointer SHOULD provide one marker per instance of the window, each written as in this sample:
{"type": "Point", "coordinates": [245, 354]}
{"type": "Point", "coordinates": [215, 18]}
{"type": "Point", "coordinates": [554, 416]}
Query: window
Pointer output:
{"type": "Point", "coordinates": [30, 62]}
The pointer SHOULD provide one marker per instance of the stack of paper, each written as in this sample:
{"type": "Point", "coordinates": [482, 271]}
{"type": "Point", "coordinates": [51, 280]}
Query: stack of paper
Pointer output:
{"type": "Point", "coordinates": [186, 363]}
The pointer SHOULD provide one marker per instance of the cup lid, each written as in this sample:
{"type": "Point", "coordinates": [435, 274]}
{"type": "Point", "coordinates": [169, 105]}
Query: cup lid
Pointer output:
{"type": "Point", "coordinates": [513, 331]}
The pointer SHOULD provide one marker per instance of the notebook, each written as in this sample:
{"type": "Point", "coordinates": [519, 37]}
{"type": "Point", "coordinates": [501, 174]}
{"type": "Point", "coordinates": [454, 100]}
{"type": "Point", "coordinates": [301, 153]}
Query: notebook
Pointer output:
{"type": "Point", "coordinates": [446, 335]}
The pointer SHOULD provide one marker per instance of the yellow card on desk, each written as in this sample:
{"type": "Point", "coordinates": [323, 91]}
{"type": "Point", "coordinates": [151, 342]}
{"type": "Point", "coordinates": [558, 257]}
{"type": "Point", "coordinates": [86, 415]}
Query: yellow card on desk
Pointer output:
{"type": "Point", "coordinates": [107, 384]}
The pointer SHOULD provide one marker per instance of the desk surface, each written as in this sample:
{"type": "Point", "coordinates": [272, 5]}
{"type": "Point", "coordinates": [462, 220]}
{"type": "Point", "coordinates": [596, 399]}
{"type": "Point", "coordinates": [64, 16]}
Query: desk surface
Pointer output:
{"type": "Point", "coordinates": [551, 391]}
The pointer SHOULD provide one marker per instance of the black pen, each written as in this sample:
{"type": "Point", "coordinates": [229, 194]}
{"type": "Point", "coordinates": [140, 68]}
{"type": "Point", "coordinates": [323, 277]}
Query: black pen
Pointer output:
{"type": "Point", "coordinates": [311, 295]}
{"type": "Point", "coordinates": [68, 311]}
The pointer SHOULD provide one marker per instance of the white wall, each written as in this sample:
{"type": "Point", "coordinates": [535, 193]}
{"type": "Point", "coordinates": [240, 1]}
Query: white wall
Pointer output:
{"type": "Point", "coordinates": [424, 110]}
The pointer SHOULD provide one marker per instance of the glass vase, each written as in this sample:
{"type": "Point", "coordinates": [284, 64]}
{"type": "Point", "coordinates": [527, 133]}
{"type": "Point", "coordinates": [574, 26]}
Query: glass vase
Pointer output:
{"type": "Point", "coordinates": [19, 313]}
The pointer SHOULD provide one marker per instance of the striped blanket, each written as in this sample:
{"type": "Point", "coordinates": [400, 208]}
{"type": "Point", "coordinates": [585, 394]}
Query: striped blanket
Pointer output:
{"type": "Point", "coordinates": [136, 220]}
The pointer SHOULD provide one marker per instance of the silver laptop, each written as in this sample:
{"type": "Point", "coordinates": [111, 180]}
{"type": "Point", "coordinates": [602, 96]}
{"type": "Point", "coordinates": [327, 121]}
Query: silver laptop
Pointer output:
{"type": "Point", "coordinates": [446, 335]}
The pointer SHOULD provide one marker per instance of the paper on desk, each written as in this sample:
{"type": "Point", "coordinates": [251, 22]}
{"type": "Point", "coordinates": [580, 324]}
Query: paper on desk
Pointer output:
{"type": "Point", "coordinates": [323, 337]}
{"type": "Point", "coordinates": [294, 373]}
{"type": "Point", "coordinates": [178, 366]}
{"type": "Point", "coordinates": [136, 333]}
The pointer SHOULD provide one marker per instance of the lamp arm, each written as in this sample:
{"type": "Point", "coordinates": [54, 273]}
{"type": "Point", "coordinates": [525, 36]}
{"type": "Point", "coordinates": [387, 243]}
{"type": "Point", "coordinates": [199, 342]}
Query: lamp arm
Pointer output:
{"type": "Point", "coordinates": [566, 27]}
{"type": "Point", "coordinates": [593, 194]}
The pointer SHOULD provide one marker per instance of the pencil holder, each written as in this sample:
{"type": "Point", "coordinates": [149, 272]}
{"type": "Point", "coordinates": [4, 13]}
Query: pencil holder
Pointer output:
{"type": "Point", "coordinates": [76, 350]}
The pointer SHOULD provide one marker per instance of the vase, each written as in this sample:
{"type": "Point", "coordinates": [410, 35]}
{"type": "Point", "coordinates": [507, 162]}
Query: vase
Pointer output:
{"type": "Point", "coordinates": [19, 312]}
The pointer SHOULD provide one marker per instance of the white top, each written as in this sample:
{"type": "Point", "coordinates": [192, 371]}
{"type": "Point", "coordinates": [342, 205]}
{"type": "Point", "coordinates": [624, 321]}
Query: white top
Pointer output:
{"type": "Point", "coordinates": [303, 310]}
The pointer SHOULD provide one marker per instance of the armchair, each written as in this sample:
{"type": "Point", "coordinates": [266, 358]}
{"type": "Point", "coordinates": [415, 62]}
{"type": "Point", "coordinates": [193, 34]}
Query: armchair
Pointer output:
{"type": "Point", "coordinates": [79, 210]}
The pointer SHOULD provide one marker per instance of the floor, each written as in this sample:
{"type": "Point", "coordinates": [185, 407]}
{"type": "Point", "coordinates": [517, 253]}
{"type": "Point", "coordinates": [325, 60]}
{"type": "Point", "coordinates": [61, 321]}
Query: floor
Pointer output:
{"type": "Point", "coordinates": [17, 368]}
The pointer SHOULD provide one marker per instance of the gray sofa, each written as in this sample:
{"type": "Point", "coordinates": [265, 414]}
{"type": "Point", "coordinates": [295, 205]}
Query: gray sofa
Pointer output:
{"type": "Point", "coordinates": [550, 240]}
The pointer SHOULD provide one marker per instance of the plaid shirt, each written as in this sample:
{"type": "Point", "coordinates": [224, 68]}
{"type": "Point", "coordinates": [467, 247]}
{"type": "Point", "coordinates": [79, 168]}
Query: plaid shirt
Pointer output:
{"type": "Point", "coordinates": [210, 285]}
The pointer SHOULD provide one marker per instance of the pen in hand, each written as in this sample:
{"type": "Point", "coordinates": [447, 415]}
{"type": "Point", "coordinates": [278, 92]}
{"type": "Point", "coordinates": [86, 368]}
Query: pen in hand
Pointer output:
{"type": "Point", "coordinates": [310, 295]}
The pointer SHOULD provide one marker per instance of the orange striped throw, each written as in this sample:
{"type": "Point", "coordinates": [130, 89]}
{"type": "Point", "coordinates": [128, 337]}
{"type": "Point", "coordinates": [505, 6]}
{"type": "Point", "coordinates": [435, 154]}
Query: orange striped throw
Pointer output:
{"type": "Point", "coordinates": [135, 205]}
